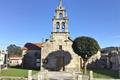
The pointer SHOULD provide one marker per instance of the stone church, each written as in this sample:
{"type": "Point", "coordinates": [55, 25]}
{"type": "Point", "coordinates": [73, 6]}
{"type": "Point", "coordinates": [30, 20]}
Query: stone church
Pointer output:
{"type": "Point", "coordinates": [56, 53]}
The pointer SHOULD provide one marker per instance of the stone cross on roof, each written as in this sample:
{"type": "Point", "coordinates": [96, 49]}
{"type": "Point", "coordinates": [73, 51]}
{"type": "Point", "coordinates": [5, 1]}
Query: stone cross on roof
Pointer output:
{"type": "Point", "coordinates": [60, 3]}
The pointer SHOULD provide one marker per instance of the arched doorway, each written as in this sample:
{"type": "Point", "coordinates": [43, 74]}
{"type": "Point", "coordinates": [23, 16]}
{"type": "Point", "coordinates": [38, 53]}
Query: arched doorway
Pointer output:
{"type": "Point", "coordinates": [57, 60]}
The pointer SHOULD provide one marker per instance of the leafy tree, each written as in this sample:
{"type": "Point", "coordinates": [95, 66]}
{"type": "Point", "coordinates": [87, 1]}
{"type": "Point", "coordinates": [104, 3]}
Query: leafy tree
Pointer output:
{"type": "Point", "coordinates": [85, 47]}
{"type": "Point", "coordinates": [14, 50]}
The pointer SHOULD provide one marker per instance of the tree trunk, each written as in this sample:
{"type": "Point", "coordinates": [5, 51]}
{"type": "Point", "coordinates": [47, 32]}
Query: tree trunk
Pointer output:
{"type": "Point", "coordinates": [84, 67]}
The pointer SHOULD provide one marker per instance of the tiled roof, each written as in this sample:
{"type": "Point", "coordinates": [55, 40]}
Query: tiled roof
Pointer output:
{"type": "Point", "coordinates": [23, 48]}
{"type": "Point", "coordinates": [32, 46]}
{"type": "Point", "coordinates": [38, 44]}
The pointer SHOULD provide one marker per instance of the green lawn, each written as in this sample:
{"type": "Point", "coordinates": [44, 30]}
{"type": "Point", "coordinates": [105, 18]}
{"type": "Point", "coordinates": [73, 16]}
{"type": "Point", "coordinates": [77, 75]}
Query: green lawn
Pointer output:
{"type": "Point", "coordinates": [15, 72]}
{"type": "Point", "coordinates": [105, 73]}
{"type": "Point", "coordinates": [98, 73]}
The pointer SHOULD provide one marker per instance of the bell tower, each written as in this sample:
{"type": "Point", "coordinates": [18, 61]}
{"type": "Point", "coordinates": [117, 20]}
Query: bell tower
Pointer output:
{"type": "Point", "coordinates": [60, 20]}
{"type": "Point", "coordinates": [56, 50]}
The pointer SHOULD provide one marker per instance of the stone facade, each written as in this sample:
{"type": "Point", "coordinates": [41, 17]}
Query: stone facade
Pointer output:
{"type": "Point", "coordinates": [57, 41]}
{"type": "Point", "coordinates": [111, 59]}
{"type": "Point", "coordinates": [115, 59]}
{"type": "Point", "coordinates": [59, 44]}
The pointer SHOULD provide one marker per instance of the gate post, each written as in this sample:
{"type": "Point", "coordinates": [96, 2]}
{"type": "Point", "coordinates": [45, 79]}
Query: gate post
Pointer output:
{"type": "Point", "coordinates": [80, 77]}
{"type": "Point", "coordinates": [38, 76]}
{"type": "Point", "coordinates": [29, 74]}
{"type": "Point", "coordinates": [91, 75]}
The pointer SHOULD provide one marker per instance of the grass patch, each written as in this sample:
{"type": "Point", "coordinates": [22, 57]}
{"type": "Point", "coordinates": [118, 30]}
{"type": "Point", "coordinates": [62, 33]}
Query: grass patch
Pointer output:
{"type": "Point", "coordinates": [105, 73]}
{"type": "Point", "coordinates": [16, 72]}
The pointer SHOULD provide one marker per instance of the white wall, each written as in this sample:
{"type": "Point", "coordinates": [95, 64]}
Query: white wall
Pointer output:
{"type": "Point", "coordinates": [2, 58]}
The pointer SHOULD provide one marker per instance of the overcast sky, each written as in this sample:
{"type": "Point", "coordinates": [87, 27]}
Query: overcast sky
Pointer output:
{"type": "Point", "coordinates": [24, 21]}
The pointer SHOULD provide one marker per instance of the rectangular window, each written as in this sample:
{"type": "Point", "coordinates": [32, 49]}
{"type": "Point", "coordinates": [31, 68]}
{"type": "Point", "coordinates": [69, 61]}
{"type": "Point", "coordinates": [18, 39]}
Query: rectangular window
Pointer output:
{"type": "Point", "coordinates": [38, 64]}
{"type": "Point", "coordinates": [37, 60]}
{"type": "Point", "coordinates": [60, 47]}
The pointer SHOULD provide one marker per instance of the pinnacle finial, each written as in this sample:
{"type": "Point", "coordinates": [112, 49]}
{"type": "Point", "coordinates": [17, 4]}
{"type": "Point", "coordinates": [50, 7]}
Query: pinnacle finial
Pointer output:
{"type": "Point", "coordinates": [60, 3]}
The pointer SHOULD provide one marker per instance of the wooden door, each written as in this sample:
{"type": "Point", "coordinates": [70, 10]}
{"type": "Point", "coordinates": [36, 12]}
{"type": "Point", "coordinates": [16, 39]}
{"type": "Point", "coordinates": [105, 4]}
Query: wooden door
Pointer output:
{"type": "Point", "coordinates": [60, 62]}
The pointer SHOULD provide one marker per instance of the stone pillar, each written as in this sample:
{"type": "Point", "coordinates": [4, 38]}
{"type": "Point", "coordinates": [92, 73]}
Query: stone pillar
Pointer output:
{"type": "Point", "coordinates": [39, 77]}
{"type": "Point", "coordinates": [79, 77]}
{"type": "Point", "coordinates": [66, 27]}
{"type": "Point", "coordinates": [60, 30]}
{"type": "Point", "coordinates": [41, 66]}
{"type": "Point", "coordinates": [42, 58]}
{"type": "Point", "coordinates": [91, 75]}
{"type": "Point", "coordinates": [74, 75]}
{"type": "Point", "coordinates": [29, 74]}
{"type": "Point", "coordinates": [46, 75]}
{"type": "Point", "coordinates": [54, 26]}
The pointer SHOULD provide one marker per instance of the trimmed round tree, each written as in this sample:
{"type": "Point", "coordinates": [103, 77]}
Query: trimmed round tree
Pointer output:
{"type": "Point", "coordinates": [85, 47]}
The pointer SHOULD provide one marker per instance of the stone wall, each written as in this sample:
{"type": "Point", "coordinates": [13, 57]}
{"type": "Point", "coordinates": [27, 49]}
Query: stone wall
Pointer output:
{"type": "Point", "coordinates": [61, 41]}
